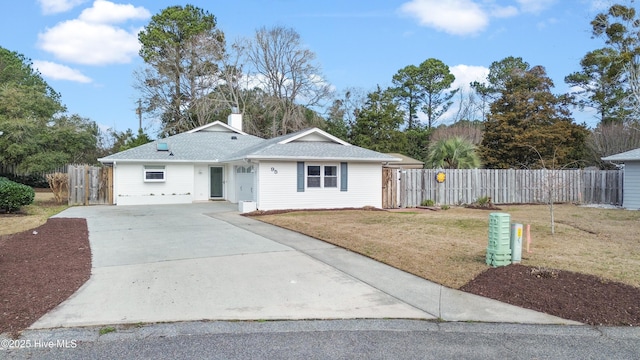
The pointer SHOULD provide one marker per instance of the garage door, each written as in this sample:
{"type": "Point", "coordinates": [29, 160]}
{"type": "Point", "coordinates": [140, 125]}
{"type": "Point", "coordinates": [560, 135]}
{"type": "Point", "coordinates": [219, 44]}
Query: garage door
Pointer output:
{"type": "Point", "coordinates": [244, 183]}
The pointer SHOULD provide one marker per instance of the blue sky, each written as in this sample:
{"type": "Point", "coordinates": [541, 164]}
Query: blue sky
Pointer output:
{"type": "Point", "coordinates": [87, 50]}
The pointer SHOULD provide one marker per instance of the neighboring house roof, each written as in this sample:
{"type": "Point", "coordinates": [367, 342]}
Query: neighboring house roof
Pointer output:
{"type": "Point", "coordinates": [218, 142]}
{"type": "Point", "coordinates": [405, 162]}
{"type": "Point", "coordinates": [632, 155]}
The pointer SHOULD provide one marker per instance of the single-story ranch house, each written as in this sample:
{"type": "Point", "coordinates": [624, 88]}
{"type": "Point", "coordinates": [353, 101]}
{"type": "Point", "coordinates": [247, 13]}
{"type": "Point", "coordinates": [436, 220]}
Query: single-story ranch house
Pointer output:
{"type": "Point", "coordinates": [303, 170]}
{"type": "Point", "coordinates": [631, 160]}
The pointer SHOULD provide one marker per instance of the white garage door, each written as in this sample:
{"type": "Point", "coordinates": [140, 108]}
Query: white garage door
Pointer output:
{"type": "Point", "coordinates": [244, 183]}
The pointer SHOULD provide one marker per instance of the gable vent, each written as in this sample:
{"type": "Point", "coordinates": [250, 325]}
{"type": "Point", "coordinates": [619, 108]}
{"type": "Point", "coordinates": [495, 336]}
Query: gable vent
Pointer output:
{"type": "Point", "coordinates": [162, 146]}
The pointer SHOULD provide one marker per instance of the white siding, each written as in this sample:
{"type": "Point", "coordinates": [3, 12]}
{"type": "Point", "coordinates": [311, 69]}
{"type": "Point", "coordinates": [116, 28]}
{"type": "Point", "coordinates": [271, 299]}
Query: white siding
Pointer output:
{"type": "Point", "coordinates": [278, 187]}
{"type": "Point", "coordinates": [131, 189]}
{"type": "Point", "coordinates": [631, 196]}
{"type": "Point", "coordinates": [201, 182]}
{"type": "Point", "coordinates": [229, 186]}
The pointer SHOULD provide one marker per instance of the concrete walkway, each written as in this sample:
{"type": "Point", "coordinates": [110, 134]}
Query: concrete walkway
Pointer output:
{"type": "Point", "coordinates": [206, 262]}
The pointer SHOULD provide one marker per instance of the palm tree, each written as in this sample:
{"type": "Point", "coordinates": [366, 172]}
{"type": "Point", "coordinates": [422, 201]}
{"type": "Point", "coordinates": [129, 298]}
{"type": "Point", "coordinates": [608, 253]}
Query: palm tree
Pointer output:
{"type": "Point", "coordinates": [453, 153]}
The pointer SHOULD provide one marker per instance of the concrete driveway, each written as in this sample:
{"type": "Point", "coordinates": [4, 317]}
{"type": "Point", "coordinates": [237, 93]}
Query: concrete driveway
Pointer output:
{"type": "Point", "coordinates": [205, 262]}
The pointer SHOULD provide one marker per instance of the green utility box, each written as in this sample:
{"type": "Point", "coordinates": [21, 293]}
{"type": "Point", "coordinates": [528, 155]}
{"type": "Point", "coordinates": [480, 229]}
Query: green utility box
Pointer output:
{"type": "Point", "coordinates": [499, 249]}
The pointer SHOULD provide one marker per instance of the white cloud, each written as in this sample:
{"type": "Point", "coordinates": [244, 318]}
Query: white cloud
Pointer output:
{"type": "Point", "coordinates": [60, 72]}
{"type": "Point", "coordinates": [93, 44]}
{"type": "Point", "coordinates": [92, 39]}
{"type": "Point", "coordinates": [58, 6]}
{"type": "Point", "coordinates": [457, 17]}
{"type": "Point", "coordinates": [468, 17]}
{"type": "Point", "coordinates": [466, 74]}
{"type": "Point", "coordinates": [106, 12]}
{"type": "Point", "coordinates": [535, 6]}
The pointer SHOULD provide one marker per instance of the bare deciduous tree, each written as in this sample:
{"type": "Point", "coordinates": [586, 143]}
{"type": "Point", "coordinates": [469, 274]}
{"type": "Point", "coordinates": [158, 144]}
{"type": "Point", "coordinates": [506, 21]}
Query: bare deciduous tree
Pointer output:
{"type": "Point", "coordinates": [469, 107]}
{"type": "Point", "coordinates": [288, 73]}
{"type": "Point", "coordinates": [633, 70]}
{"type": "Point", "coordinates": [552, 181]}
{"type": "Point", "coordinates": [468, 130]}
{"type": "Point", "coordinates": [609, 139]}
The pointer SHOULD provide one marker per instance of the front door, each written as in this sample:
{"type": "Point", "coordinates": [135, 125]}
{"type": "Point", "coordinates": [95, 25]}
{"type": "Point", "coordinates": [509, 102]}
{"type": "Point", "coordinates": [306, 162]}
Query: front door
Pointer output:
{"type": "Point", "coordinates": [216, 182]}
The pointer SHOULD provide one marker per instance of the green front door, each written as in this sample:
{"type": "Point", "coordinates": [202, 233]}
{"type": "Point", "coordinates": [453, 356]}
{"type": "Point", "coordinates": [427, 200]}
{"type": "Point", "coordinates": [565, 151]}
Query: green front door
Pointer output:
{"type": "Point", "coordinates": [216, 182]}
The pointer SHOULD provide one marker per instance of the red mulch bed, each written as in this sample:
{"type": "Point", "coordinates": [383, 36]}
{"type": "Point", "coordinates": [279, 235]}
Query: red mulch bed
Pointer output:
{"type": "Point", "coordinates": [569, 295]}
{"type": "Point", "coordinates": [39, 271]}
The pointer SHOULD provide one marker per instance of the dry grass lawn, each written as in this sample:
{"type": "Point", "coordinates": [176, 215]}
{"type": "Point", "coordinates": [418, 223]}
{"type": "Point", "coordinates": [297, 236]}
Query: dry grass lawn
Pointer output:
{"type": "Point", "coordinates": [31, 216]}
{"type": "Point", "coordinates": [449, 247]}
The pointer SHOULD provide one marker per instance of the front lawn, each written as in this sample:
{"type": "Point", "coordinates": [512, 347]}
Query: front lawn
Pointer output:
{"type": "Point", "coordinates": [449, 247]}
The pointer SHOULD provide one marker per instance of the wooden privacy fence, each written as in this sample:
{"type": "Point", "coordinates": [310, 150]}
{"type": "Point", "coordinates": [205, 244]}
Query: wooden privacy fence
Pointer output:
{"type": "Point", "coordinates": [90, 185]}
{"type": "Point", "coordinates": [408, 188]}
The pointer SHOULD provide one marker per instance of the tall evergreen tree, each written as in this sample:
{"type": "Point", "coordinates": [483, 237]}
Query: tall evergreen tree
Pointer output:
{"type": "Point", "coordinates": [620, 29]}
{"type": "Point", "coordinates": [34, 135]}
{"type": "Point", "coordinates": [408, 92]}
{"type": "Point", "coordinates": [435, 80]}
{"type": "Point", "coordinates": [499, 73]}
{"type": "Point", "coordinates": [377, 125]}
{"type": "Point", "coordinates": [183, 48]}
{"type": "Point", "coordinates": [528, 125]}
{"type": "Point", "coordinates": [601, 85]}
{"type": "Point", "coordinates": [425, 88]}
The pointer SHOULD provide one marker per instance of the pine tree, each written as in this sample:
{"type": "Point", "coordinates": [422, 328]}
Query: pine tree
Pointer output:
{"type": "Point", "coordinates": [528, 125]}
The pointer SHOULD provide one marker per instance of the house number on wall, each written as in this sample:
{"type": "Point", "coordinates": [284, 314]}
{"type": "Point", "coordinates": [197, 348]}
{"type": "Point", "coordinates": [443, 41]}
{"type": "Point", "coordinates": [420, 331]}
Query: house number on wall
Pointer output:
{"type": "Point", "coordinates": [273, 170]}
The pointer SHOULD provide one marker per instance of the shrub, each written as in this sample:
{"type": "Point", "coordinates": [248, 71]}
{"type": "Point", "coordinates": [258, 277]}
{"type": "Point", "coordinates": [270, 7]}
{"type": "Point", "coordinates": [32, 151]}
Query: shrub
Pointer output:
{"type": "Point", "coordinates": [14, 195]}
{"type": "Point", "coordinates": [59, 184]}
{"type": "Point", "coordinates": [35, 181]}
{"type": "Point", "coordinates": [427, 202]}
{"type": "Point", "coordinates": [483, 201]}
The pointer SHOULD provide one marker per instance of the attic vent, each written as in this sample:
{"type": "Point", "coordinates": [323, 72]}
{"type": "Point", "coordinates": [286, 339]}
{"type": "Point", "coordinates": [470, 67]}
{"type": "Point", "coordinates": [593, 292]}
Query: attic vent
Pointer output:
{"type": "Point", "coordinates": [234, 138]}
{"type": "Point", "coordinates": [162, 146]}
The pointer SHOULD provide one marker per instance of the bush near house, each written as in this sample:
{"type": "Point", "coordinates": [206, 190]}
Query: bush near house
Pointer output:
{"type": "Point", "coordinates": [14, 195]}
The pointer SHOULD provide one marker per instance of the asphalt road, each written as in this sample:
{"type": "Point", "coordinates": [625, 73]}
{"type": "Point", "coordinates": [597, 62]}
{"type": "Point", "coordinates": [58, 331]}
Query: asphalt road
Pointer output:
{"type": "Point", "coordinates": [326, 339]}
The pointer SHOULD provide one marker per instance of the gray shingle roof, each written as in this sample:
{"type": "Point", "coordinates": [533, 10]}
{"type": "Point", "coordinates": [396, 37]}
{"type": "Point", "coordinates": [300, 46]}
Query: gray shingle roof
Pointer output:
{"type": "Point", "coordinates": [321, 150]}
{"type": "Point", "coordinates": [630, 155]}
{"type": "Point", "coordinates": [185, 147]}
{"type": "Point", "coordinates": [219, 147]}
{"type": "Point", "coordinates": [317, 150]}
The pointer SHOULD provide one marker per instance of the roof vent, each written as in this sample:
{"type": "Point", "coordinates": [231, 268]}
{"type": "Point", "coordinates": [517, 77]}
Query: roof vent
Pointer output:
{"type": "Point", "coordinates": [234, 138]}
{"type": "Point", "coordinates": [162, 146]}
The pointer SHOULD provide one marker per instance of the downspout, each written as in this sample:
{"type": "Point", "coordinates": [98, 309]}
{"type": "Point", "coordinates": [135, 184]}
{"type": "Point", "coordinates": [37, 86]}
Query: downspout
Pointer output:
{"type": "Point", "coordinates": [115, 193]}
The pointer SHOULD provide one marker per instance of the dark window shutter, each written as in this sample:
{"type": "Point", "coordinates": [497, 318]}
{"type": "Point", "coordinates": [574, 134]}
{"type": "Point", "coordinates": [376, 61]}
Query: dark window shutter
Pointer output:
{"type": "Point", "coordinates": [300, 176]}
{"type": "Point", "coordinates": [344, 175]}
